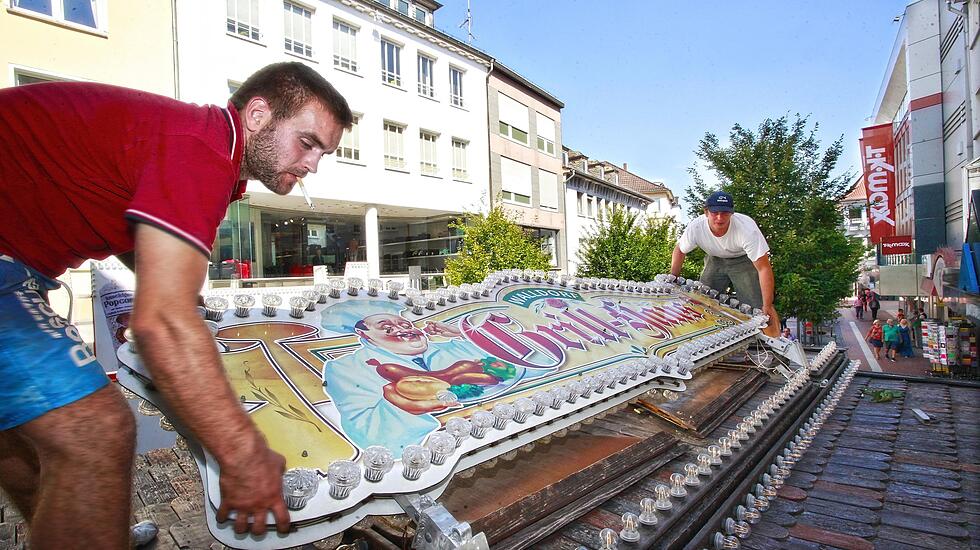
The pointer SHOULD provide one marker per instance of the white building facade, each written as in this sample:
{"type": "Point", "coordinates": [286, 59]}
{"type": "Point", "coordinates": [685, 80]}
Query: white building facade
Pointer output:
{"type": "Point", "coordinates": [415, 159]}
{"type": "Point", "coordinates": [591, 190]}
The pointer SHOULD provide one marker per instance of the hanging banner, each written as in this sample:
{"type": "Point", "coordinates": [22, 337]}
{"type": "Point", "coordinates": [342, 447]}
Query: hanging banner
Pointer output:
{"type": "Point", "coordinates": [878, 157]}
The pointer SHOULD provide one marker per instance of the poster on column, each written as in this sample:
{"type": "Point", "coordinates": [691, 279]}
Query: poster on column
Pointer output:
{"type": "Point", "coordinates": [878, 158]}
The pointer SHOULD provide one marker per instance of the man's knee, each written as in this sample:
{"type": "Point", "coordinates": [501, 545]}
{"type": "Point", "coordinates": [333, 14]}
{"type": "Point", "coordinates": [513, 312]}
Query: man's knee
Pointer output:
{"type": "Point", "coordinates": [98, 424]}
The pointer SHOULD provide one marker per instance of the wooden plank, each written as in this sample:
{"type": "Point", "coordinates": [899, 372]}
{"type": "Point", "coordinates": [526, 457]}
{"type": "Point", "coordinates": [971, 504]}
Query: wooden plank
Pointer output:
{"type": "Point", "coordinates": [711, 396]}
{"type": "Point", "coordinates": [663, 452]}
{"type": "Point", "coordinates": [579, 467]}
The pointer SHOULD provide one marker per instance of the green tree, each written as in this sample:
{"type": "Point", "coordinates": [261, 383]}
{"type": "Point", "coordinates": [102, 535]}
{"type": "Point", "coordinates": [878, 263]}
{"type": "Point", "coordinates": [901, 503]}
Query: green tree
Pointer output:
{"type": "Point", "coordinates": [780, 177]}
{"type": "Point", "coordinates": [625, 246]}
{"type": "Point", "coordinates": [491, 242]}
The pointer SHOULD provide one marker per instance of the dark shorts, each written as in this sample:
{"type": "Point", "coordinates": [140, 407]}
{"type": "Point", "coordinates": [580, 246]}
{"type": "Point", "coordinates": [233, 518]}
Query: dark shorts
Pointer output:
{"type": "Point", "coordinates": [875, 342]}
{"type": "Point", "coordinates": [892, 344]}
{"type": "Point", "coordinates": [44, 364]}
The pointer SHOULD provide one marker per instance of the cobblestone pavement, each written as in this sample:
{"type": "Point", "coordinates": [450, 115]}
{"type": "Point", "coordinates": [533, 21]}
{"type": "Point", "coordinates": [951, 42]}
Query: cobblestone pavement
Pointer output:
{"type": "Point", "coordinates": [167, 490]}
{"type": "Point", "coordinates": [877, 478]}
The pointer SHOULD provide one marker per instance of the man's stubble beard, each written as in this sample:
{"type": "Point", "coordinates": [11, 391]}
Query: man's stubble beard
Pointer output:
{"type": "Point", "coordinates": [261, 162]}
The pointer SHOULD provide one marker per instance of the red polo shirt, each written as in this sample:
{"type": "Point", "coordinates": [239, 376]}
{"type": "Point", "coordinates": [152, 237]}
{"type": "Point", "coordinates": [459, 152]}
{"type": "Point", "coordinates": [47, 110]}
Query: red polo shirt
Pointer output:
{"type": "Point", "coordinates": [77, 160]}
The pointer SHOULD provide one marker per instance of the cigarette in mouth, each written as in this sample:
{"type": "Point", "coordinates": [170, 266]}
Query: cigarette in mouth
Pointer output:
{"type": "Point", "coordinates": [306, 195]}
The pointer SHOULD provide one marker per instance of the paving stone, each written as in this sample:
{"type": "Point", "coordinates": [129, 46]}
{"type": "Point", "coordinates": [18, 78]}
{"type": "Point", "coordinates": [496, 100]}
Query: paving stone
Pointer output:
{"type": "Point", "coordinates": [861, 497]}
{"type": "Point", "coordinates": [802, 480]}
{"type": "Point", "coordinates": [190, 534]}
{"type": "Point", "coordinates": [922, 502]}
{"type": "Point", "coordinates": [910, 457]}
{"type": "Point", "coordinates": [770, 530]}
{"type": "Point", "coordinates": [922, 447]}
{"type": "Point", "coordinates": [935, 481]}
{"type": "Point", "coordinates": [953, 517]}
{"type": "Point", "coordinates": [860, 462]}
{"type": "Point", "coordinates": [925, 525]}
{"type": "Point", "coordinates": [832, 538]}
{"type": "Point", "coordinates": [779, 518]}
{"type": "Point", "coordinates": [866, 444]}
{"type": "Point", "coordinates": [841, 510]}
{"type": "Point", "coordinates": [808, 466]}
{"type": "Point", "coordinates": [853, 481]}
{"type": "Point", "coordinates": [156, 492]}
{"type": "Point", "coordinates": [918, 490]}
{"type": "Point", "coordinates": [836, 524]}
{"type": "Point", "coordinates": [925, 470]}
{"type": "Point", "coordinates": [846, 470]}
{"type": "Point", "coordinates": [920, 539]}
{"type": "Point", "coordinates": [161, 514]}
{"type": "Point", "coordinates": [786, 506]}
{"type": "Point", "coordinates": [857, 454]}
{"type": "Point", "coordinates": [792, 493]}
{"type": "Point", "coordinates": [188, 507]}
{"type": "Point", "coordinates": [870, 433]}
{"type": "Point", "coordinates": [867, 419]}
{"type": "Point", "coordinates": [759, 542]}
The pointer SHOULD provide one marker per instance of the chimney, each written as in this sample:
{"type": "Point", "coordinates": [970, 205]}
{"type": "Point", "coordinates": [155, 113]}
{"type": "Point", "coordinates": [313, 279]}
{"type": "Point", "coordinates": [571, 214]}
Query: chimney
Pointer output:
{"type": "Point", "coordinates": [625, 167]}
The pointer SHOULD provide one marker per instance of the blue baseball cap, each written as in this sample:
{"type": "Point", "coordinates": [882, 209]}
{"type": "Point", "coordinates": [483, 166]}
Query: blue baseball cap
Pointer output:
{"type": "Point", "coordinates": [720, 201]}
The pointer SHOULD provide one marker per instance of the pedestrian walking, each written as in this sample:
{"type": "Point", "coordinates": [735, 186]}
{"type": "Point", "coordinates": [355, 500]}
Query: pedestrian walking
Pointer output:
{"type": "Point", "coordinates": [874, 337]}
{"type": "Point", "coordinates": [892, 338]}
{"type": "Point", "coordinates": [874, 305]}
{"type": "Point", "coordinates": [858, 307]}
{"type": "Point", "coordinates": [917, 320]}
{"type": "Point", "coordinates": [905, 338]}
{"type": "Point", "coordinates": [863, 294]}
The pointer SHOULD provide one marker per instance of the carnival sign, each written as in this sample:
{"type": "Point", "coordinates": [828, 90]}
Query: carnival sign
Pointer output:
{"type": "Point", "coordinates": [878, 158]}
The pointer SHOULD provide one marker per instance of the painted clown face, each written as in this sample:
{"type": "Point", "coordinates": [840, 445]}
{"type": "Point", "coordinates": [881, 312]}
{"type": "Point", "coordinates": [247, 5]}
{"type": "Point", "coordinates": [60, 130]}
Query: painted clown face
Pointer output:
{"type": "Point", "coordinates": [393, 333]}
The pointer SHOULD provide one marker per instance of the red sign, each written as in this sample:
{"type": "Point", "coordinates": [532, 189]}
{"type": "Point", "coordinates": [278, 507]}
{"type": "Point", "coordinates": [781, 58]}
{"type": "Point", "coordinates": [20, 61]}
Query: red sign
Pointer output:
{"type": "Point", "coordinates": [878, 157]}
{"type": "Point", "coordinates": [899, 244]}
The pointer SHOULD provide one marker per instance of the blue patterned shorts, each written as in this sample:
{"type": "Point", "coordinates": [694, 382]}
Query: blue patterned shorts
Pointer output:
{"type": "Point", "coordinates": [44, 364]}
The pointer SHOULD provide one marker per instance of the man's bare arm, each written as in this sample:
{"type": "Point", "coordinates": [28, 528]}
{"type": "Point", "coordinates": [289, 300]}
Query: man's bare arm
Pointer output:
{"type": "Point", "coordinates": [187, 369]}
{"type": "Point", "coordinates": [767, 283]}
{"type": "Point", "coordinates": [676, 261]}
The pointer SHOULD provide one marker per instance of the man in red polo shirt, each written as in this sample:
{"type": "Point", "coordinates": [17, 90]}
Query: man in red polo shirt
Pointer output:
{"type": "Point", "coordinates": [89, 171]}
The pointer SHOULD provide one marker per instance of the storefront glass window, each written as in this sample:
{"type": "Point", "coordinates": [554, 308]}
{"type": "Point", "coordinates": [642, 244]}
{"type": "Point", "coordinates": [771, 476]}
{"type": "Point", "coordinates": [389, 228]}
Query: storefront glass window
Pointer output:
{"type": "Point", "coordinates": [548, 238]}
{"type": "Point", "coordinates": [232, 255]}
{"type": "Point", "coordinates": [423, 242]}
{"type": "Point", "coordinates": [292, 244]}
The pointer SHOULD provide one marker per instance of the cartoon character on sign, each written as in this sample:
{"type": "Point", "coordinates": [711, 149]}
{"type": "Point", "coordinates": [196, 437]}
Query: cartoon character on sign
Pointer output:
{"type": "Point", "coordinates": [387, 390]}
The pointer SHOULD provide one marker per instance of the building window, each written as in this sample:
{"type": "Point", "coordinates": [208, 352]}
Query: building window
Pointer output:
{"type": "Point", "coordinates": [80, 12]}
{"type": "Point", "coordinates": [391, 63]}
{"type": "Point", "coordinates": [421, 15]}
{"type": "Point", "coordinates": [243, 18]}
{"type": "Point", "coordinates": [403, 7]}
{"type": "Point", "coordinates": [429, 162]}
{"type": "Point", "coordinates": [513, 118]}
{"type": "Point", "coordinates": [298, 27]}
{"type": "Point", "coordinates": [546, 134]}
{"type": "Point", "coordinates": [21, 78]}
{"type": "Point", "coordinates": [394, 146]}
{"type": "Point", "coordinates": [515, 181]}
{"type": "Point", "coordinates": [456, 86]}
{"type": "Point", "coordinates": [350, 142]}
{"type": "Point", "coordinates": [580, 203]}
{"type": "Point", "coordinates": [426, 82]}
{"type": "Point", "coordinates": [548, 189]}
{"type": "Point", "coordinates": [590, 206]}
{"type": "Point", "coordinates": [548, 239]}
{"type": "Point", "coordinates": [459, 159]}
{"type": "Point", "coordinates": [344, 46]}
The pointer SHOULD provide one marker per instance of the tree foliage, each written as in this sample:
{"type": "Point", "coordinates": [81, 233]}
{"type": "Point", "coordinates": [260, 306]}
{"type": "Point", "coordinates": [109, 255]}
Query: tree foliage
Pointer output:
{"type": "Point", "coordinates": [780, 177]}
{"type": "Point", "coordinates": [625, 246]}
{"type": "Point", "coordinates": [491, 242]}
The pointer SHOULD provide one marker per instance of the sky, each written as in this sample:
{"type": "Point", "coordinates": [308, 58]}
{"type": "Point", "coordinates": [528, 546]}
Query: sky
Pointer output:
{"type": "Point", "coordinates": [642, 81]}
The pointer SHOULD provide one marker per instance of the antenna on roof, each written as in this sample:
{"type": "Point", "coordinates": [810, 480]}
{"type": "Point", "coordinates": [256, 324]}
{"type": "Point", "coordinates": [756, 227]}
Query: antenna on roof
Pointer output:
{"type": "Point", "coordinates": [468, 23]}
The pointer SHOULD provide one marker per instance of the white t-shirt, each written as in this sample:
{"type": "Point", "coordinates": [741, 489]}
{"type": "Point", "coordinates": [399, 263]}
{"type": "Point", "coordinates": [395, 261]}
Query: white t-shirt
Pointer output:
{"type": "Point", "coordinates": [743, 238]}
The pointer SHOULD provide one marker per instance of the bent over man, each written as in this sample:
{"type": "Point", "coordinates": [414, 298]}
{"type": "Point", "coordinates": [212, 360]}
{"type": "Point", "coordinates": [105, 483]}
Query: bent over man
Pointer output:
{"type": "Point", "coordinates": [736, 255]}
{"type": "Point", "coordinates": [89, 171]}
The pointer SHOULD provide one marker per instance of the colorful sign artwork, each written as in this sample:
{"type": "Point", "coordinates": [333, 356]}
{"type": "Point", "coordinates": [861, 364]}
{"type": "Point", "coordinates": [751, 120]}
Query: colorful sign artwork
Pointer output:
{"type": "Point", "coordinates": [362, 371]}
{"type": "Point", "coordinates": [878, 158]}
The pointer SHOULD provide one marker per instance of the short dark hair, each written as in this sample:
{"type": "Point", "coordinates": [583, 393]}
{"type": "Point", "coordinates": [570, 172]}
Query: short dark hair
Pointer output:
{"type": "Point", "coordinates": [289, 86]}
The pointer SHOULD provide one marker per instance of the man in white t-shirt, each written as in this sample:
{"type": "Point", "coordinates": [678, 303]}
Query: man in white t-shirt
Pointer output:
{"type": "Point", "coordinates": [736, 254]}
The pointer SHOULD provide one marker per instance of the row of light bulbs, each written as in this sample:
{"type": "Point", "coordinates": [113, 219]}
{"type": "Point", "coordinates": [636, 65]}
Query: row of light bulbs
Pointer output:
{"type": "Point", "coordinates": [757, 501]}
{"type": "Point", "coordinates": [418, 301]}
